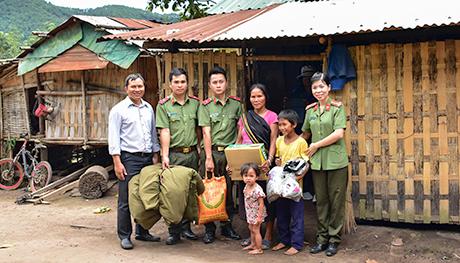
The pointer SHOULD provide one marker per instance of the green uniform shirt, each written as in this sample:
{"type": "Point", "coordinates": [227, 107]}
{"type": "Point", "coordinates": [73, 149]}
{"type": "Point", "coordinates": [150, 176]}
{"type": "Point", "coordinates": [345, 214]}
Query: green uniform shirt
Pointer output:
{"type": "Point", "coordinates": [221, 118]}
{"type": "Point", "coordinates": [321, 125]}
{"type": "Point", "coordinates": [181, 120]}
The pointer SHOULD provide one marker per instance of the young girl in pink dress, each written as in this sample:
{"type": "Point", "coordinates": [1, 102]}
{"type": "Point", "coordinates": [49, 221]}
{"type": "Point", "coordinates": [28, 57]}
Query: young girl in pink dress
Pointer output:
{"type": "Point", "coordinates": [254, 205]}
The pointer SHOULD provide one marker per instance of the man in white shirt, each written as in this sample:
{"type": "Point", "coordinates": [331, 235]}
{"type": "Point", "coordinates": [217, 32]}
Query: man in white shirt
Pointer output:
{"type": "Point", "coordinates": [133, 144]}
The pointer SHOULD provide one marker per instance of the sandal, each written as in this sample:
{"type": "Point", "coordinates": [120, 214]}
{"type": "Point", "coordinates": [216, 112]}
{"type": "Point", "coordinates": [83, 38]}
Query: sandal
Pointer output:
{"type": "Point", "coordinates": [279, 246]}
{"type": "Point", "coordinates": [245, 242]}
{"type": "Point", "coordinates": [256, 252]}
{"type": "Point", "coordinates": [290, 252]}
{"type": "Point", "coordinates": [266, 244]}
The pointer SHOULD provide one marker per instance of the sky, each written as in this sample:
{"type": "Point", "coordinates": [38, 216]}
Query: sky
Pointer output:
{"type": "Point", "coordinates": [83, 4]}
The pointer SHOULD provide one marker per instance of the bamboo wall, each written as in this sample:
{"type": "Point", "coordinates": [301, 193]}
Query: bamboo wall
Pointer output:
{"type": "Point", "coordinates": [197, 66]}
{"type": "Point", "coordinates": [15, 118]}
{"type": "Point", "coordinates": [68, 126]}
{"type": "Point", "coordinates": [403, 131]}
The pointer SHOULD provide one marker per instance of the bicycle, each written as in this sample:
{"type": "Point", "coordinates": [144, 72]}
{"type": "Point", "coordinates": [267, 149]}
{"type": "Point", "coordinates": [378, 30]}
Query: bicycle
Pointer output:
{"type": "Point", "coordinates": [12, 172]}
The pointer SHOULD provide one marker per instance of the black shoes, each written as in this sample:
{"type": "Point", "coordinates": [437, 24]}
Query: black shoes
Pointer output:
{"type": "Point", "coordinates": [318, 248]}
{"type": "Point", "coordinates": [187, 232]}
{"type": "Point", "coordinates": [148, 237]}
{"type": "Point", "coordinates": [228, 232]}
{"type": "Point", "coordinates": [209, 237]}
{"type": "Point", "coordinates": [331, 249]}
{"type": "Point", "coordinates": [173, 239]}
{"type": "Point", "coordinates": [126, 243]}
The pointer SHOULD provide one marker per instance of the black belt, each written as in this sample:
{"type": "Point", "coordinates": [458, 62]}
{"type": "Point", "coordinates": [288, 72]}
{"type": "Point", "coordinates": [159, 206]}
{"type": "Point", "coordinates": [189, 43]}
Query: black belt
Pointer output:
{"type": "Point", "coordinates": [218, 148]}
{"type": "Point", "coordinates": [183, 149]}
{"type": "Point", "coordinates": [138, 154]}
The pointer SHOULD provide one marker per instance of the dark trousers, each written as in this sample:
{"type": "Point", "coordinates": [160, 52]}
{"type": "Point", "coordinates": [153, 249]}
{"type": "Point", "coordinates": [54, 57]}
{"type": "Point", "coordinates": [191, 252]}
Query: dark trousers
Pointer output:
{"type": "Point", "coordinates": [133, 165]}
{"type": "Point", "coordinates": [331, 188]}
{"type": "Point", "coordinates": [289, 221]}
{"type": "Point", "coordinates": [220, 164]}
{"type": "Point", "coordinates": [189, 160]}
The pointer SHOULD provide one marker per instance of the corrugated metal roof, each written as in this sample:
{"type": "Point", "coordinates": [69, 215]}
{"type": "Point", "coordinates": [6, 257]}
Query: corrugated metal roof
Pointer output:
{"type": "Point", "coordinates": [303, 19]}
{"type": "Point", "coordinates": [198, 30]}
{"type": "Point", "coordinates": [135, 23]}
{"type": "Point", "coordinates": [100, 21]}
{"type": "Point", "coordinates": [228, 6]}
{"type": "Point", "coordinates": [113, 25]}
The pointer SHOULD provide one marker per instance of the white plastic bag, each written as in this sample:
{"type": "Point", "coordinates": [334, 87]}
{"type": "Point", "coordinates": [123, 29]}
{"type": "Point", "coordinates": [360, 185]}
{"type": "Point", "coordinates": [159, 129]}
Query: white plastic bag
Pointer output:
{"type": "Point", "coordinates": [291, 188]}
{"type": "Point", "coordinates": [275, 183]}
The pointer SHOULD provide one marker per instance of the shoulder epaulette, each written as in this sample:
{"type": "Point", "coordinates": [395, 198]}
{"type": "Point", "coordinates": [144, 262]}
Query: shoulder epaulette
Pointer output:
{"type": "Point", "coordinates": [163, 101]}
{"type": "Point", "coordinates": [336, 103]}
{"type": "Point", "coordinates": [235, 98]}
{"type": "Point", "coordinates": [206, 101]}
{"type": "Point", "coordinates": [193, 97]}
{"type": "Point", "coordinates": [309, 106]}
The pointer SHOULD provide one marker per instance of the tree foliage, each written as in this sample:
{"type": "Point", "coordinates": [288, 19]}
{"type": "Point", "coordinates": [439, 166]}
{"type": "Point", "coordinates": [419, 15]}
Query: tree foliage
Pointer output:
{"type": "Point", "coordinates": [19, 18]}
{"type": "Point", "coordinates": [9, 44]}
{"type": "Point", "coordinates": [189, 9]}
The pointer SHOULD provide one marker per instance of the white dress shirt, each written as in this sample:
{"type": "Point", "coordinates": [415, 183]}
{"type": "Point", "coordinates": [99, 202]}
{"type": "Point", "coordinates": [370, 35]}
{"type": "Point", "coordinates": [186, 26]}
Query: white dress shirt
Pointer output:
{"type": "Point", "coordinates": [132, 128]}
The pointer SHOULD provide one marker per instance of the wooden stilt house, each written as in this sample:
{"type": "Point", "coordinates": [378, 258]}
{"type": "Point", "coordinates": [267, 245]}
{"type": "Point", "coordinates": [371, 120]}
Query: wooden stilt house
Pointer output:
{"type": "Point", "coordinates": [80, 78]}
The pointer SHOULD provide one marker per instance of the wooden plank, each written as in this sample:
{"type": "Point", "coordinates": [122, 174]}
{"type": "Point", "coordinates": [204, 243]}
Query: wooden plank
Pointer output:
{"type": "Point", "coordinates": [407, 78]}
{"type": "Point", "coordinates": [391, 78]}
{"type": "Point", "coordinates": [233, 74]}
{"type": "Point", "coordinates": [53, 194]}
{"type": "Point", "coordinates": [168, 66]}
{"type": "Point", "coordinates": [201, 84]}
{"type": "Point", "coordinates": [441, 77]}
{"type": "Point", "coordinates": [159, 77]}
{"type": "Point", "coordinates": [26, 105]}
{"type": "Point", "coordinates": [191, 74]}
{"type": "Point", "coordinates": [409, 166]}
{"type": "Point", "coordinates": [361, 81]}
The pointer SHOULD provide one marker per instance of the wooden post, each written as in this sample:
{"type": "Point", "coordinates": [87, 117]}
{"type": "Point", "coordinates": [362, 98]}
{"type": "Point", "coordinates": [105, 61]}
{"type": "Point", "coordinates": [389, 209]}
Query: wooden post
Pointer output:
{"type": "Point", "coordinates": [159, 77]}
{"type": "Point", "coordinates": [83, 104]}
{"type": "Point", "coordinates": [26, 105]}
{"type": "Point", "coordinates": [41, 120]}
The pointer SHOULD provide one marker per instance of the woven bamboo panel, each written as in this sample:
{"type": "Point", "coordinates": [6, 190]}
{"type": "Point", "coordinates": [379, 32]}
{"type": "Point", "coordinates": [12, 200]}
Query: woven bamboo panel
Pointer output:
{"type": "Point", "coordinates": [197, 66]}
{"type": "Point", "coordinates": [14, 113]}
{"type": "Point", "coordinates": [403, 132]}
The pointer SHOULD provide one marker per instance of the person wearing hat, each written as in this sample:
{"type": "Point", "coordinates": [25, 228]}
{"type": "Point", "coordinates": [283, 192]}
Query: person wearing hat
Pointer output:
{"type": "Point", "coordinates": [299, 98]}
{"type": "Point", "coordinates": [300, 95]}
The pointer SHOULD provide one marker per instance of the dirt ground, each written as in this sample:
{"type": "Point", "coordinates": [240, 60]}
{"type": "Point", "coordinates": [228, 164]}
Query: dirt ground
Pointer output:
{"type": "Point", "coordinates": [43, 233]}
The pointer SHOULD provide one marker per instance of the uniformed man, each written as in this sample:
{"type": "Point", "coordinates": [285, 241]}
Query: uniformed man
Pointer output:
{"type": "Point", "coordinates": [133, 144]}
{"type": "Point", "coordinates": [218, 116]}
{"type": "Point", "coordinates": [325, 121]}
{"type": "Point", "coordinates": [179, 135]}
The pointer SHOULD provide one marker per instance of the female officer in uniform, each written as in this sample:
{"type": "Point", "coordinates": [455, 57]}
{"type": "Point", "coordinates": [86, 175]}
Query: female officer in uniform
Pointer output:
{"type": "Point", "coordinates": [325, 121]}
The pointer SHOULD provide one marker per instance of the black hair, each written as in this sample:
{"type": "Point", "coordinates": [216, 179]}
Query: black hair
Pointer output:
{"type": "Point", "coordinates": [217, 70]}
{"type": "Point", "coordinates": [320, 76]}
{"type": "Point", "coordinates": [259, 86]}
{"type": "Point", "coordinates": [247, 166]}
{"type": "Point", "coordinates": [289, 115]}
{"type": "Point", "coordinates": [177, 72]}
{"type": "Point", "coordinates": [133, 76]}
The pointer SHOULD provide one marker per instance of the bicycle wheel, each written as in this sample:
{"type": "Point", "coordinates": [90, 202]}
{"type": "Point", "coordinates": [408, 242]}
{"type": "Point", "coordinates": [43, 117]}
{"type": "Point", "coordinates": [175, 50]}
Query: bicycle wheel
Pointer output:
{"type": "Point", "coordinates": [11, 174]}
{"type": "Point", "coordinates": [41, 176]}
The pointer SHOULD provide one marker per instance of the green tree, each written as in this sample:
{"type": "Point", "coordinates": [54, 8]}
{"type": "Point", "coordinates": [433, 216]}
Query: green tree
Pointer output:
{"type": "Point", "coordinates": [9, 44]}
{"type": "Point", "coordinates": [189, 9]}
